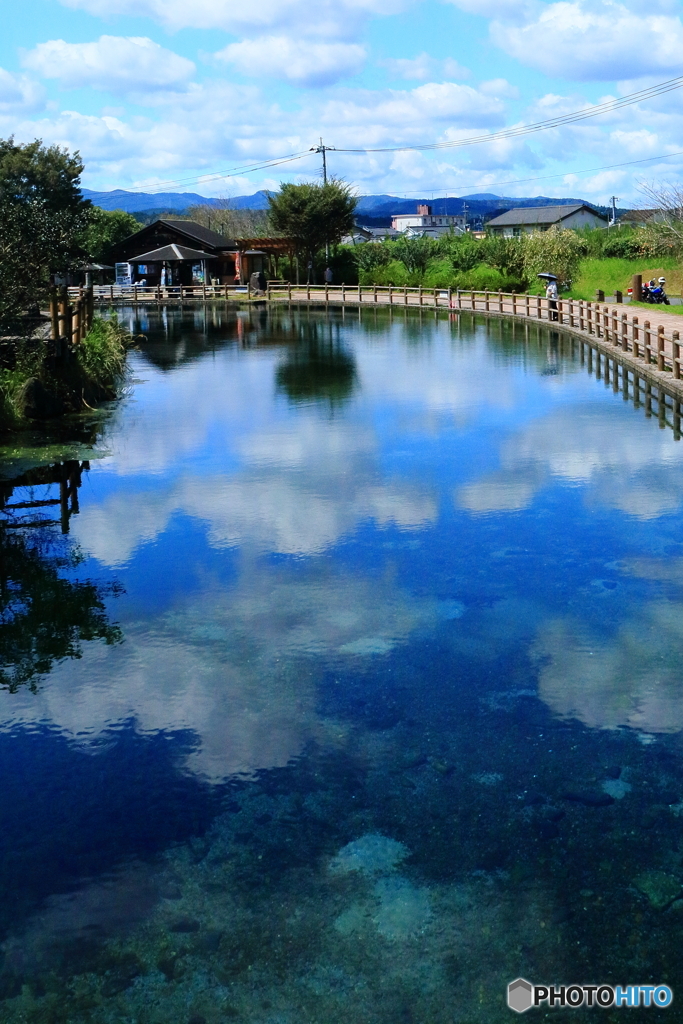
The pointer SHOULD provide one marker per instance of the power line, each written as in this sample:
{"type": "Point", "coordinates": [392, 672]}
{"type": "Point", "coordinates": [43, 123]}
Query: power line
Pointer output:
{"type": "Point", "coordinates": [161, 186]}
{"type": "Point", "coordinates": [508, 133]}
{"type": "Point", "coordinates": [538, 126]}
{"type": "Point", "coordinates": [542, 177]}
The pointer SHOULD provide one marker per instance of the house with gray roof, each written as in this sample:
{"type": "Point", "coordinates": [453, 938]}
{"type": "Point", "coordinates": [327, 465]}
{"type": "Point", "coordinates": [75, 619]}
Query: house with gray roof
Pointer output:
{"type": "Point", "coordinates": [527, 219]}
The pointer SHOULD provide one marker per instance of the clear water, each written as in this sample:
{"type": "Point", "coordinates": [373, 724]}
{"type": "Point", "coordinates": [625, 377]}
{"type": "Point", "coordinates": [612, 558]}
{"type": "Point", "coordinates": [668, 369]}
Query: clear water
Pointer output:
{"type": "Point", "coordinates": [354, 689]}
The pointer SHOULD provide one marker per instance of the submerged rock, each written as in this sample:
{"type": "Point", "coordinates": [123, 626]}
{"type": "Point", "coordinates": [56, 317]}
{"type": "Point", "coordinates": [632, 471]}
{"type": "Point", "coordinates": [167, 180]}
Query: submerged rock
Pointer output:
{"type": "Point", "coordinates": [371, 854]}
{"type": "Point", "coordinates": [660, 888]}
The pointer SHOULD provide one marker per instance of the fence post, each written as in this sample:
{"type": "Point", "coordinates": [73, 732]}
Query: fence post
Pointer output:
{"type": "Point", "coordinates": [634, 341]}
{"type": "Point", "coordinates": [54, 314]}
{"type": "Point", "coordinates": [391, 294]}
{"type": "Point", "coordinates": [500, 300]}
{"type": "Point", "coordinates": [405, 295]}
{"type": "Point", "coordinates": [624, 333]}
{"type": "Point", "coordinates": [660, 347]}
{"type": "Point", "coordinates": [419, 292]}
{"type": "Point", "coordinates": [538, 307]}
{"type": "Point", "coordinates": [374, 294]}
{"type": "Point", "coordinates": [676, 355]}
{"type": "Point", "coordinates": [473, 300]}
{"type": "Point", "coordinates": [327, 293]}
{"type": "Point", "coordinates": [360, 293]}
{"type": "Point", "coordinates": [343, 292]}
{"type": "Point", "coordinates": [308, 291]}
{"type": "Point", "coordinates": [450, 297]}
{"type": "Point", "coordinates": [486, 300]}
{"type": "Point", "coordinates": [647, 353]}
{"type": "Point", "coordinates": [514, 304]}
{"type": "Point", "coordinates": [458, 299]}
{"type": "Point", "coordinates": [435, 299]}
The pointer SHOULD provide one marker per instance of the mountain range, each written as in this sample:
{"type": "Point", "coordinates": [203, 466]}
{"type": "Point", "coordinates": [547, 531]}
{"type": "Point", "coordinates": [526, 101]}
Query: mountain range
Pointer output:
{"type": "Point", "coordinates": [373, 209]}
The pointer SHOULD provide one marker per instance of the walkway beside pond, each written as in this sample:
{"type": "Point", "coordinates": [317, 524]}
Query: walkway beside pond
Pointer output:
{"type": "Point", "coordinates": [647, 343]}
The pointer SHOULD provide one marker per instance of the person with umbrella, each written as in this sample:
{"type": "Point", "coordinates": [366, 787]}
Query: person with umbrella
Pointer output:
{"type": "Point", "coordinates": [551, 294]}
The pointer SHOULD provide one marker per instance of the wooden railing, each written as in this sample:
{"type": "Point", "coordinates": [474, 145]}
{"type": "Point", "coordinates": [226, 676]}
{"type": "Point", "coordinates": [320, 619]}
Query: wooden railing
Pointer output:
{"type": "Point", "coordinates": [71, 315]}
{"type": "Point", "coordinates": [647, 343]}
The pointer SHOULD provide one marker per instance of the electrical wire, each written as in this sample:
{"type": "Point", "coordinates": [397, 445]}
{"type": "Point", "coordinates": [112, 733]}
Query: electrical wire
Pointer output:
{"type": "Point", "coordinates": [539, 126]}
{"type": "Point", "coordinates": [543, 177]}
{"type": "Point", "coordinates": [162, 186]}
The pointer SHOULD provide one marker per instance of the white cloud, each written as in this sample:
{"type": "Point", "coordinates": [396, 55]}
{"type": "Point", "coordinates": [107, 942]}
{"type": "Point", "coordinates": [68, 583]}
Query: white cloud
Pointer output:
{"type": "Point", "coordinates": [423, 67]}
{"type": "Point", "coordinates": [300, 62]}
{"type": "Point", "coordinates": [339, 19]}
{"type": "Point", "coordinates": [114, 63]}
{"type": "Point", "coordinates": [617, 463]}
{"type": "Point", "coordinates": [499, 87]}
{"type": "Point", "coordinates": [600, 41]}
{"type": "Point", "coordinates": [18, 94]}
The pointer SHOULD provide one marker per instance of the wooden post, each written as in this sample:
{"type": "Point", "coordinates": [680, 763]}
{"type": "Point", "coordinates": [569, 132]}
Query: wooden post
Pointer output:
{"type": "Point", "coordinates": [111, 292]}
{"type": "Point", "coordinates": [636, 288]}
{"type": "Point", "coordinates": [343, 292]}
{"type": "Point", "coordinates": [660, 347]}
{"type": "Point", "coordinates": [486, 300]}
{"type": "Point", "coordinates": [473, 300]}
{"type": "Point", "coordinates": [458, 299]}
{"type": "Point", "coordinates": [435, 301]}
{"type": "Point", "coordinates": [405, 296]}
{"type": "Point", "coordinates": [419, 292]}
{"type": "Point", "coordinates": [624, 332]}
{"type": "Point", "coordinates": [391, 295]}
{"type": "Point", "coordinates": [582, 324]}
{"type": "Point", "coordinates": [450, 297]}
{"type": "Point", "coordinates": [289, 292]}
{"type": "Point", "coordinates": [374, 294]}
{"type": "Point", "coordinates": [500, 300]}
{"type": "Point", "coordinates": [360, 294]}
{"type": "Point", "coordinates": [538, 307]}
{"type": "Point", "coordinates": [308, 291]}
{"type": "Point", "coordinates": [526, 305]}
{"type": "Point", "coordinates": [327, 294]}
{"type": "Point", "coordinates": [54, 315]}
{"type": "Point", "coordinates": [599, 295]}
{"type": "Point", "coordinates": [676, 355]}
{"type": "Point", "coordinates": [514, 308]}
{"type": "Point", "coordinates": [636, 346]}
{"type": "Point", "coordinates": [647, 347]}
{"type": "Point", "coordinates": [618, 296]}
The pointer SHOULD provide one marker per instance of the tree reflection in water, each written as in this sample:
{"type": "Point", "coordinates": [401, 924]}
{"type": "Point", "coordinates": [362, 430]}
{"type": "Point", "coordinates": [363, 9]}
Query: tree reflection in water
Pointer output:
{"type": "Point", "coordinates": [45, 617]}
{"type": "Point", "coordinates": [319, 368]}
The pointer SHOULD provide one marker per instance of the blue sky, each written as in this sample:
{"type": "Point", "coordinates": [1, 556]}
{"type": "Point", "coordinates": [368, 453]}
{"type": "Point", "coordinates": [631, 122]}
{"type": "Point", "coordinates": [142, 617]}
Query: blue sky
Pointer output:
{"type": "Point", "coordinates": [173, 91]}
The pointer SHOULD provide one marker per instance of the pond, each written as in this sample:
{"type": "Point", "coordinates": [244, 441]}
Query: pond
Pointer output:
{"type": "Point", "coordinates": [341, 679]}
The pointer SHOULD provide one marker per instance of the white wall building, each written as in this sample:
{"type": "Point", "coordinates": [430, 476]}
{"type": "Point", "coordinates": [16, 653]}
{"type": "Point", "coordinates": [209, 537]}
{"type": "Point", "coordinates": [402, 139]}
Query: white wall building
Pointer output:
{"type": "Point", "coordinates": [425, 223]}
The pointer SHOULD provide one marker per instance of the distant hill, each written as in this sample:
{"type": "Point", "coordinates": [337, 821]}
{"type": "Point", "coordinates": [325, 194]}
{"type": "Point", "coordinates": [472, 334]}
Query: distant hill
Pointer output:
{"type": "Point", "coordinates": [372, 210]}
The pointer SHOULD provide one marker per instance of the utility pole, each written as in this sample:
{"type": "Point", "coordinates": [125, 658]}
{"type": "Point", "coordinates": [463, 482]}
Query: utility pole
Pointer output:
{"type": "Point", "coordinates": [323, 149]}
{"type": "Point", "coordinates": [614, 200]}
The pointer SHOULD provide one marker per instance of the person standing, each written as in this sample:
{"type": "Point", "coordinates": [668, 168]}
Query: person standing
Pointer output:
{"type": "Point", "coordinates": [329, 276]}
{"type": "Point", "coordinates": [551, 295]}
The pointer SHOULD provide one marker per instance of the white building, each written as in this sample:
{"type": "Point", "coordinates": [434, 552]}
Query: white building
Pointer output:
{"type": "Point", "coordinates": [424, 223]}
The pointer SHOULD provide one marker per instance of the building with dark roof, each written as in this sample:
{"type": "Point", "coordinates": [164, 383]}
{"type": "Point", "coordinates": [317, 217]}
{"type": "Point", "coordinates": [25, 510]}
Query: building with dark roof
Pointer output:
{"type": "Point", "coordinates": [527, 219]}
{"type": "Point", "coordinates": [214, 255]}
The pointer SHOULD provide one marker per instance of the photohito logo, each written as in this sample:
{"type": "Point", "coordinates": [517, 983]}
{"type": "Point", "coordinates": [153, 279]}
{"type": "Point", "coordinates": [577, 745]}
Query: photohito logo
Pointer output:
{"type": "Point", "coordinates": [522, 995]}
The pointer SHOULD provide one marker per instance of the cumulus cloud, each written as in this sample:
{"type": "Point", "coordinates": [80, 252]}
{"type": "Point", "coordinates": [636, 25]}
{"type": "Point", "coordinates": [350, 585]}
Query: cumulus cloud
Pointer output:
{"type": "Point", "coordinates": [329, 19]}
{"type": "Point", "coordinates": [634, 470]}
{"type": "Point", "coordinates": [235, 667]}
{"type": "Point", "coordinates": [18, 94]}
{"type": "Point", "coordinates": [597, 41]}
{"type": "Point", "coordinates": [114, 63]}
{"type": "Point", "coordinates": [423, 67]}
{"type": "Point", "coordinates": [301, 62]}
{"type": "Point", "coordinates": [630, 679]}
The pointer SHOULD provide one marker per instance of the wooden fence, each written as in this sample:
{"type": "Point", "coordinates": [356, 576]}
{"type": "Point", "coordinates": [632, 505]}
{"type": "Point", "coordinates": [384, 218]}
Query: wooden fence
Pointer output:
{"type": "Point", "coordinates": [654, 345]}
{"type": "Point", "coordinates": [636, 339]}
{"type": "Point", "coordinates": [71, 315]}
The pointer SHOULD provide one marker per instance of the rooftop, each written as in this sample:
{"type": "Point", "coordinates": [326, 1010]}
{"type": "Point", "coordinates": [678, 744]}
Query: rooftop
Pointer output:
{"type": "Point", "coordinates": [540, 215]}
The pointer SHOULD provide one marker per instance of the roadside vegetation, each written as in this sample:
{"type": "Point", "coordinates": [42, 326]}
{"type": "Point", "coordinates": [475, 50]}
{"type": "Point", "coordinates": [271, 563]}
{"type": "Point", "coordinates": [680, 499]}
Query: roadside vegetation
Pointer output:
{"type": "Point", "coordinates": [584, 261]}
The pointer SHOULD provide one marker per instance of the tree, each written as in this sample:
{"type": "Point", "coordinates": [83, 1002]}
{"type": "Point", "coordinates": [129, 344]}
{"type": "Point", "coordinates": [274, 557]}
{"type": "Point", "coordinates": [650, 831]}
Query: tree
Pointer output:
{"type": "Point", "coordinates": [105, 229]}
{"type": "Point", "coordinates": [313, 215]}
{"type": "Point", "coordinates": [556, 251]}
{"type": "Point", "coordinates": [42, 217]}
{"type": "Point", "coordinates": [47, 174]}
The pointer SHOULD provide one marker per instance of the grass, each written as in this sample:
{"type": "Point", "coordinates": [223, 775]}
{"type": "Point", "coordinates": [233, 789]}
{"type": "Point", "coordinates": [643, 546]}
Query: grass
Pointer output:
{"type": "Point", "coordinates": [94, 372]}
{"type": "Point", "coordinates": [612, 274]}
